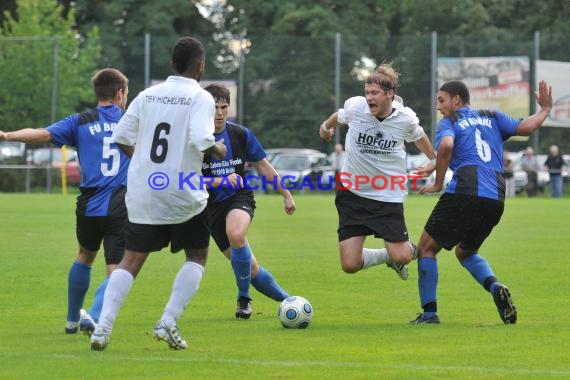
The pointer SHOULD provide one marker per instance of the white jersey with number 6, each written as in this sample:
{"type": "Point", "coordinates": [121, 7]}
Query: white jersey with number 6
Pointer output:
{"type": "Point", "coordinates": [169, 125]}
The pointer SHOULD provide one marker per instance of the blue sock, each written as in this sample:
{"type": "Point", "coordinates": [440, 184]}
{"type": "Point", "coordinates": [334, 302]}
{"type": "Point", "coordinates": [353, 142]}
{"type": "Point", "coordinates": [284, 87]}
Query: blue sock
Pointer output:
{"type": "Point", "coordinates": [77, 286]}
{"type": "Point", "coordinates": [266, 285]}
{"type": "Point", "coordinates": [241, 264]}
{"type": "Point", "coordinates": [427, 282]}
{"type": "Point", "coordinates": [479, 269]}
{"type": "Point", "coordinates": [97, 305]}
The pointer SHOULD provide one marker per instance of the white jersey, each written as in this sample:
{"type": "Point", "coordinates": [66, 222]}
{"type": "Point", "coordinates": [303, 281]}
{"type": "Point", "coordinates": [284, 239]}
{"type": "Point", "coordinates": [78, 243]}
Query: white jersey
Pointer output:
{"type": "Point", "coordinates": [169, 124]}
{"type": "Point", "coordinates": [375, 150]}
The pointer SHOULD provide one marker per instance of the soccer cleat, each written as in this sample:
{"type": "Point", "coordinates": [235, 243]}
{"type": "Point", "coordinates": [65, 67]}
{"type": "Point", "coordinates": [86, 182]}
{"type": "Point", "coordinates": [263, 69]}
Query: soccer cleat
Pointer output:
{"type": "Point", "coordinates": [71, 327]}
{"type": "Point", "coordinates": [401, 269]}
{"type": "Point", "coordinates": [414, 251]}
{"type": "Point", "coordinates": [421, 319]}
{"type": "Point", "coordinates": [99, 339]}
{"type": "Point", "coordinates": [86, 323]}
{"type": "Point", "coordinates": [169, 335]}
{"type": "Point", "coordinates": [243, 309]}
{"type": "Point", "coordinates": [505, 306]}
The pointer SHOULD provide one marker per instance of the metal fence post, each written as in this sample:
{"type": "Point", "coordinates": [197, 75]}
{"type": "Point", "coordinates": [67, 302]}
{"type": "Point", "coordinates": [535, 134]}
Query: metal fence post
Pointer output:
{"type": "Point", "coordinates": [337, 45]}
{"type": "Point", "coordinates": [54, 92]}
{"type": "Point", "coordinates": [433, 90]}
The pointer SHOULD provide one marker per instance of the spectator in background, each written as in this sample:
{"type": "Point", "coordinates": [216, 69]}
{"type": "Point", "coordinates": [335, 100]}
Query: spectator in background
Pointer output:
{"type": "Point", "coordinates": [337, 158]}
{"type": "Point", "coordinates": [531, 168]}
{"type": "Point", "coordinates": [555, 164]}
{"type": "Point", "coordinates": [509, 176]}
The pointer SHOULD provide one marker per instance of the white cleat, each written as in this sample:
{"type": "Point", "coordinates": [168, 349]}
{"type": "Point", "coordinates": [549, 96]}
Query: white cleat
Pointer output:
{"type": "Point", "coordinates": [400, 269]}
{"type": "Point", "coordinates": [169, 335]}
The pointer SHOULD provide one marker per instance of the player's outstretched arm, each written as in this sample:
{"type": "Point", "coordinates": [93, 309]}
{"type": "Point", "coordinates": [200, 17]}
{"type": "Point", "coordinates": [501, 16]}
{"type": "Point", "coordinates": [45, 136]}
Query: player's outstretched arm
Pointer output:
{"type": "Point", "coordinates": [27, 135]}
{"type": "Point", "coordinates": [533, 122]}
{"type": "Point", "coordinates": [424, 145]}
{"type": "Point", "coordinates": [444, 152]}
{"type": "Point", "coordinates": [268, 171]}
{"type": "Point", "coordinates": [326, 130]}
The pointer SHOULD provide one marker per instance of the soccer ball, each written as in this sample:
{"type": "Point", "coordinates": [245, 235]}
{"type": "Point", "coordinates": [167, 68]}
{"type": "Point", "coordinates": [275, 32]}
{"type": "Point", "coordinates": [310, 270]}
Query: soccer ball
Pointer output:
{"type": "Point", "coordinates": [295, 312]}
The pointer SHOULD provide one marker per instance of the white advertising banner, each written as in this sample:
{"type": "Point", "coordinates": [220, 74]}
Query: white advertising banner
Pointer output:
{"type": "Point", "coordinates": [557, 74]}
{"type": "Point", "coordinates": [496, 83]}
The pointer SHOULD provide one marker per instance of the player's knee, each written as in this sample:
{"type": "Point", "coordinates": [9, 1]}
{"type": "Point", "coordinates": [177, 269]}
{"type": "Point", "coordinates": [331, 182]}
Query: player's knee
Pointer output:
{"type": "Point", "coordinates": [236, 238]}
{"type": "Point", "coordinates": [402, 259]}
{"type": "Point", "coordinates": [350, 266]}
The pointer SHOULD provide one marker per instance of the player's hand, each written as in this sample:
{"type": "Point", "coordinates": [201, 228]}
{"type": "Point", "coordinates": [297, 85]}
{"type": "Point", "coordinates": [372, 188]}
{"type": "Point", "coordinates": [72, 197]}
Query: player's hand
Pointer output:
{"type": "Point", "coordinates": [289, 206]}
{"type": "Point", "coordinates": [3, 136]}
{"type": "Point", "coordinates": [544, 95]}
{"type": "Point", "coordinates": [326, 135]}
{"type": "Point", "coordinates": [236, 181]}
{"type": "Point", "coordinates": [221, 150]}
{"type": "Point", "coordinates": [424, 170]}
{"type": "Point", "coordinates": [431, 188]}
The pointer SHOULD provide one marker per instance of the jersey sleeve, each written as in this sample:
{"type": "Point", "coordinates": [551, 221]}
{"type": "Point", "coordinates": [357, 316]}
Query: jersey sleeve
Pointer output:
{"type": "Point", "coordinates": [63, 131]}
{"type": "Point", "coordinates": [349, 106]}
{"type": "Point", "coordinates": [202, 121]}
{"type": "Point", "coordinates": [254, 151]}
{"type": "Point", "coordinates": [415, 130]}
{"type": "Point", "coordinates": [444, 128]}
{"type": "Point", "coordinates": [127, 128]}
{"type": "Point", "coordinates": [507, 124]}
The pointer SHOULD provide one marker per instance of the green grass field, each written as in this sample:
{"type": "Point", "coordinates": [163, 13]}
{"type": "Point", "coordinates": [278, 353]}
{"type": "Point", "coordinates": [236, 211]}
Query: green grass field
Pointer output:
{"type": "Point", "coordinates": [360, 329]}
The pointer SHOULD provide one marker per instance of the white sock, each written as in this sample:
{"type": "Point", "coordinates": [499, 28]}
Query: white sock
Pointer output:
{"type": "Point", "coordinates": [185, 285]}
{"type": "Point", "coordinates": [371, 257]}
{"type": "Point", "coordinates": [120, 283]}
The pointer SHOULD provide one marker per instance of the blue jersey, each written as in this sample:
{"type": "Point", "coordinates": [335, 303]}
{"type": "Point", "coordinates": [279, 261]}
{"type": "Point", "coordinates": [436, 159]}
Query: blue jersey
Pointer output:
{"type": "Point", "coordinates": [243, 147]}
{"type": "Point", "coordinates": [103, 164]}
{"type": "Point", "coordinates": [477, 159]}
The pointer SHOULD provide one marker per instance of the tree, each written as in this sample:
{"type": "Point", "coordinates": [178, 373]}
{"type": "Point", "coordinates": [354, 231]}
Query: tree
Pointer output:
{"type": "Point", "coordinates": [123, 25]}
{"type": "Point", "coordinates": [27, 60]}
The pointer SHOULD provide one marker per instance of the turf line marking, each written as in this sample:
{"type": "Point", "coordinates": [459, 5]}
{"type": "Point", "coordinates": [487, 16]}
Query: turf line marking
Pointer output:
{"type": "Point", "coordinates": [297, 363]}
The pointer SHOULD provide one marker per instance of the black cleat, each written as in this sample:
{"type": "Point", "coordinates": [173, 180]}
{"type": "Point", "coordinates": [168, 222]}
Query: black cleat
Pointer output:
{"type": "Point", "coordinates": [422, 320]}
{"type": "Point", "coordinates": [505, 306]}
{"type": "Point", "coordinates": [243, 309]}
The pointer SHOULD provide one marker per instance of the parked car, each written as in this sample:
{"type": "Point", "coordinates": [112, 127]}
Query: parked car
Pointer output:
{"type": "Point", "coordinates": [520, 175]}
{"type": "Point", "coordinates": [11, 149]}
{"type": "Point", "coordinates": [294, 165]}
{"type": "Point", "coordinates": [41, 156]}
{"type": "Point", "coordinates": [415, 160]}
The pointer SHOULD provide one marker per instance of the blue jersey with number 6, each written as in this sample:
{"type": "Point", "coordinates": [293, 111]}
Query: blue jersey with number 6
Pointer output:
{"type": "Point", "coordinates": [477, 159]}
{"type": "Point", "coordinates": [103, 165]}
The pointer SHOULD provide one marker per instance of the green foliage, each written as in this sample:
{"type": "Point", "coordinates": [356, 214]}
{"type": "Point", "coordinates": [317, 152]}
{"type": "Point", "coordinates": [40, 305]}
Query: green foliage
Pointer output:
{"type": "Point", "coordinates": [288, 48]}
{"type": "Point", "coordinates": [123, 25]}
{"type": "Point", "coordinates": [360, 329]}
{"type": "Point", "coordinates": [27, 57]}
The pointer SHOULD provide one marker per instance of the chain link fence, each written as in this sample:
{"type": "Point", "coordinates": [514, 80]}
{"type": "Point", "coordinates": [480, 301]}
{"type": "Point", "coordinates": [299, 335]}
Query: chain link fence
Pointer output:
{"type": "Point", "coordinates": [284, 86]}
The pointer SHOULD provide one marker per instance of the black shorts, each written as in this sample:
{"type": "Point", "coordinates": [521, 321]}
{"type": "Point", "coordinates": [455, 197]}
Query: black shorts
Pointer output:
{"type": "Point", "coordinates": [92, 230]}
{"type": "Point", "coordinates": [191, 234]}
{"type": "Point", "coordinates": [466, 220]}
{"type": "Point", "coordinates": [360, 216]}
{"type": "Point", "coordinates": [110, 230]}
{"type": "Point", "coordinates": [217, 213]}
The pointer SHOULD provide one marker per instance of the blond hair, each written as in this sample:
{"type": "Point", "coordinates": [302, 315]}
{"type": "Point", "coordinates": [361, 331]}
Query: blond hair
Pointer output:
{"type": "Point", "coordinates": [385, 76]}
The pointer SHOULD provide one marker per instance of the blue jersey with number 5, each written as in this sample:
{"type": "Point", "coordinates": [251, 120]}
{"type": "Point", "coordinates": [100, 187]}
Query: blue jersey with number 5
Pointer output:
{"type": "Point", "coordinates": [103, 165]}
{"type": "Point", "coordinates": [477, 159]}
